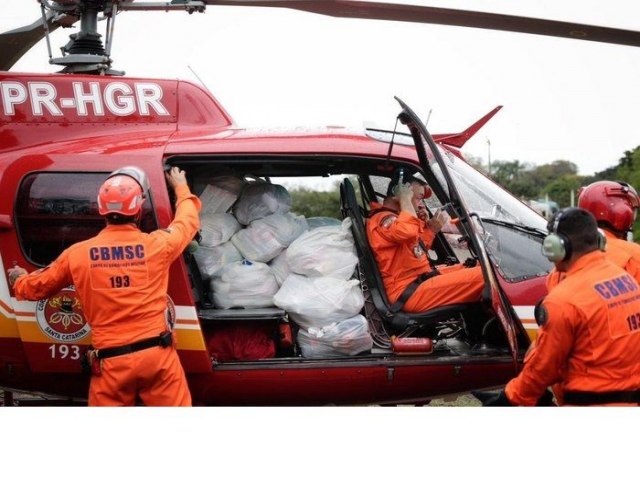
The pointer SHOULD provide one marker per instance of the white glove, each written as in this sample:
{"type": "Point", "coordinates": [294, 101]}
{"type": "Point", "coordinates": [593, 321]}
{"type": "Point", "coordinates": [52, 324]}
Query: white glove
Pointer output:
{"type": "Point", "coordinates": [14, 273]}
{"type": "Point", "coordinates": [436, 223]}
{"type": "Point", "coordinates": [403, 191]}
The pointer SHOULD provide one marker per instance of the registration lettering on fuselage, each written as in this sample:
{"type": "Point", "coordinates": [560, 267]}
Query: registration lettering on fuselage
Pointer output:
{"type": "Point", "coordinates": [87, 99]}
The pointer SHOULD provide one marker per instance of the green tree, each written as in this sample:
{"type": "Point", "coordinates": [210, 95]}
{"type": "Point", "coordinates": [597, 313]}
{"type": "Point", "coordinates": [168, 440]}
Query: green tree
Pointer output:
{"type": "Point", "coordinates": [476, 162]}
{"type": "Point", "coordinates": [313, 203]}
{"type": "Point", "coordinates": [559, 190]}
{"type": "Point", "coordinates": [515, 177]}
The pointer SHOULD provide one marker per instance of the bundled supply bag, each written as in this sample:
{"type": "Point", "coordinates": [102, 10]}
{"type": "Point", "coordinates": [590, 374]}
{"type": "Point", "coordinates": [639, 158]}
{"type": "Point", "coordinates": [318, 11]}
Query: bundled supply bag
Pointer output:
{"type": "Point", "coordinates": [348, 337]}
{"type": "Point", "coordinates": [229, 183]}
{"type": "Point", "coordinates": [243, 285]}
{"type": "Point", "coordinates": [217, 228]}
{"type": "Point", "coordinates": [216, 200]}
{"type": "Point", "coordinates": [319, 301]}
{"type": "Point", "coordinates": [242, 341]}
{"type": "Point", "coordinates": [286, 227]}
{"type": "Point", "coordinates": [257, 243]}
{"type": "Point", "coordinates": [280, 267]}
{"type": "Point", "coordinates": [317, 222]}
{"type": "Point", "coordinates": [259, 199]}
{"type": "Point", "coordinates": [324, 252]}
{"type": "Point", "coordinates": [211, 259]}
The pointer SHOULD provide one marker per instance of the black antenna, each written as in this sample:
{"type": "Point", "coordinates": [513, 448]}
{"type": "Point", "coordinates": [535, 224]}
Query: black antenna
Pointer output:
{"type": "Point", "coordinates": [393, 136]}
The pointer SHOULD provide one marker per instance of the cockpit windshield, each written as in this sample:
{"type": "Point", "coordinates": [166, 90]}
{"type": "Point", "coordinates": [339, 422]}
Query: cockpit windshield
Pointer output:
{"type": "Point", "coordinates": [484, 197]}
{"type": "Point", "coordinates": [511, 231]}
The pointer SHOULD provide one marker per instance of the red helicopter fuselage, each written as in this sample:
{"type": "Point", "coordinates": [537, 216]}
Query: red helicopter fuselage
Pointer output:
{"type": "Point", "coordinates": [78, 128]}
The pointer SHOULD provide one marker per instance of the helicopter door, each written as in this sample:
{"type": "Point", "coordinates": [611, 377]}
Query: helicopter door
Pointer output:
{"type": "Point", "coordinates": [430, 157]}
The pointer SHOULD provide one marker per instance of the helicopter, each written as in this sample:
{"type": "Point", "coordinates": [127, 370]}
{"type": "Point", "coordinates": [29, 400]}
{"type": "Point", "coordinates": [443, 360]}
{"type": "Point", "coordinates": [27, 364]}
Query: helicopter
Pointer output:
{"type": "Point", "coordinates": [61, 134]}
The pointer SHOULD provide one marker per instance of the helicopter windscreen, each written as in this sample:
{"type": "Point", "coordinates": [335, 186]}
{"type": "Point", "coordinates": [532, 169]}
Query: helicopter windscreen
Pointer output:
{"type": "Point", "coordinates": [511, 231]}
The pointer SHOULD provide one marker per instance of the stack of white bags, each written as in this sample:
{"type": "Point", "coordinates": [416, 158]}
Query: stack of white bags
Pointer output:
{"type": "Point", "coordinates": [309, 271]}
{"type": "Point", "coordinates": [320, 295]}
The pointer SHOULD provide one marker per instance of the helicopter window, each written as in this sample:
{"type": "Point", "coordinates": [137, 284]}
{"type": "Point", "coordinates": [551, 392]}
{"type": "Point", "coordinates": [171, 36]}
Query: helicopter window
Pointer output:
{"type": "Point", "coordinates": [56, 210]}
{"type": "Point", "coordinates": [509, 227]}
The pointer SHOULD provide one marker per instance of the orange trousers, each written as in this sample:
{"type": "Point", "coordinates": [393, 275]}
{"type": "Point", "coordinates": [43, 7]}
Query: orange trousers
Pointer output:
{"type": "Point", "coordinates": [454, 285]}
{"type": "Point", "coordinates": [154, 375]}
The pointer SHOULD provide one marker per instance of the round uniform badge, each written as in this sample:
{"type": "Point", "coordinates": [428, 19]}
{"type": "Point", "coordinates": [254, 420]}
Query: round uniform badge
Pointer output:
{"type": "Point", "coordinates": [540, 313]}
{"type": "Point", "coordinates": [170, 314]}
{"type": "Point", "coordinates": [61, 317]}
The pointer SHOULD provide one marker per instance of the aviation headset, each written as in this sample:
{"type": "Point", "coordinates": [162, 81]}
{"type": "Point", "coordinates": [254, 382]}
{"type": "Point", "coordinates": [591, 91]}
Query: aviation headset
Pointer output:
{"type": "Point", "coordinates": [399, 178]}
{"type": "Point", "coordinates": [557, 246]}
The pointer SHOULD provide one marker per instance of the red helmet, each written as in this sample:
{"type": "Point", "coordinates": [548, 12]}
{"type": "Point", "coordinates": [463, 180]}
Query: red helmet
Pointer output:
{"type": "Point", "coordinates": [610, 202]}
{"type": "Point", "coordinates": [123, 192]}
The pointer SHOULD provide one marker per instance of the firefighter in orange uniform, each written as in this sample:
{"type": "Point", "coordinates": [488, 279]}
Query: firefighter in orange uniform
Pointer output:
{"type": "Point", "coordinates": [589, 340]}
{"type": "Point", "coordinates": [400, 241]}
{"type": "Point", "coordinates": [121, 277]}
{"type": "Point", "coordinates": [614, 204]}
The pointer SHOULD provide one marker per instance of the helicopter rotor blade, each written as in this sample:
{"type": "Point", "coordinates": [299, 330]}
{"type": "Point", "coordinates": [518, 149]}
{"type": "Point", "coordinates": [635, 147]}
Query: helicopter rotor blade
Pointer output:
{"type": "Point", "coordinates": [447, 16]}
{"type": "Point", "coordinates": [15, 43]}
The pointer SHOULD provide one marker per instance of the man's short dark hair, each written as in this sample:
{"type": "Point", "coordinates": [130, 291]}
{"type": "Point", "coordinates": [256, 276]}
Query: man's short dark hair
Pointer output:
{"type": "Point", "coordinates": [579, 226]}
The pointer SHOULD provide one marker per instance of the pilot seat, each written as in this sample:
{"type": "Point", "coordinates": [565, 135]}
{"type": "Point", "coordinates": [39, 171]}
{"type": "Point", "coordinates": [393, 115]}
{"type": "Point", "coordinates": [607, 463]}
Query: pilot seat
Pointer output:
{"type": "Point", "coordinates": [397, 321]}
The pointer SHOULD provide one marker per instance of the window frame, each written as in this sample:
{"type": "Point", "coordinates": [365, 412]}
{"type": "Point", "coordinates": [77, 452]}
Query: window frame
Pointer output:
{"type": "Point", "coordinates": [18, 215]}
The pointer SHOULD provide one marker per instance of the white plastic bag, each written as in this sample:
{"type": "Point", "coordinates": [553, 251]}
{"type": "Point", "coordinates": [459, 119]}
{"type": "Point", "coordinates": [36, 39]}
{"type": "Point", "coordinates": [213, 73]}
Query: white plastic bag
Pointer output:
{"type": "Point", "coordinates": [216, 200]}
{"type": "Point", "coordinates": [348, 337]}
{"type": "Point", "coordinates": [244, 284]}
{"type": "Point", "coordinates": [319, 301]}
{"type": "Point", "coordinates": [280, 268]}
{"type": "Point", "coordinates": [229, 183]}
{"type": "Point", "coordinates": [257, 243]}
{"type": "Point", "coordinates": [217, 228]}
{"type": "Point", "coordinates": [211, 259]}
{"type": "Point", "coordinates": [285, 227]}
{"type": "Point", "coordinates": [317, 222]}
{"type": "Point", "coordinates": [260, 199]}
{"type": "Point", "coordinates": [324, 252]}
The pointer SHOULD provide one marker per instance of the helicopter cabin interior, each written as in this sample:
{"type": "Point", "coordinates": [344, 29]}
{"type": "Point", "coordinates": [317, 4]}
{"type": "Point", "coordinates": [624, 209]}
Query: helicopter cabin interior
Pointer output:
{"type": "Point", "coordinates": [240, 332]}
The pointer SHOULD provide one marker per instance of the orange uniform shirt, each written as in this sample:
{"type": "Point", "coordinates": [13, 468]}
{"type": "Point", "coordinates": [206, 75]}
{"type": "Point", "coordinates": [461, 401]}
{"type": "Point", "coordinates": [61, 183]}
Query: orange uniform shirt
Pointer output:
{"type": "Point", "coordinates": [621, 252]}
{"type": "Point", "coordinates": [590, 340]}
{"type": "Point", "coordinates": [121, 275]}
{"type": "Point", "coordinates": [393, 237]}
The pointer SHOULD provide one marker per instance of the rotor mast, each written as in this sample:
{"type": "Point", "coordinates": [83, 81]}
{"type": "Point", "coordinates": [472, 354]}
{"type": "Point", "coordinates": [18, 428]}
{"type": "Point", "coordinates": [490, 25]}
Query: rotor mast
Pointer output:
{"type": "Point", "coordinates": [85, 51]}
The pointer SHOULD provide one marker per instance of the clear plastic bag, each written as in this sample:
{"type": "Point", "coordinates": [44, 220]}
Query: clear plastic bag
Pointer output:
{"type": "Point", "coordinates": [324, 252]}
{"type": "Point", "coordinates": [260, 199]}
{"type": "Point", "coordinates": [319, 301]}
{"type": "Point", "coordinates": [258, 243]}
{"type": "Point", "coordinates": [216, 200]}
{"type": "Point", "coordinates": [286, 227]}
{"type": "Point", "coordinates": [348, 337]}
{"type": "Point", "coordinates": [211, 259]}
{"type": "Point", "coordinates": [280, 267]}
{"type": "Point", "coordinates": [244, 284]}
{"type": "Point", "coordinates": [217, 228]}
{"type": "Point", "coordinates": [229, 183]}
{"type": "Point", "coordinates": [317, 222]}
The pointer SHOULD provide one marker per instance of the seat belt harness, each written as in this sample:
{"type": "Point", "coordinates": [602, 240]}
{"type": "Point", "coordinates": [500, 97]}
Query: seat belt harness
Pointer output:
{"type": "Point", "coordinates": [411, 288]}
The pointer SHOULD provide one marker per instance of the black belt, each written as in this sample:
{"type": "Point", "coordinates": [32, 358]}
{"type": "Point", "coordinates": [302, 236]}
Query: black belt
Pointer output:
{"type": "Point", "coordinates": [411, 288]}
{"type": "Point", "coordinates": [599, 398]}
{"type": "Point", "coordinates": [163, 340]}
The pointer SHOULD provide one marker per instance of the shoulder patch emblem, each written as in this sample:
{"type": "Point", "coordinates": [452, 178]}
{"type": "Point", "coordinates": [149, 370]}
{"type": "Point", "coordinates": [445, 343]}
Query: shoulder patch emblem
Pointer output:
{"type": "Point", "coordinates": [388, 221]}
{"type": "Point", "coordinates": [540, 313]}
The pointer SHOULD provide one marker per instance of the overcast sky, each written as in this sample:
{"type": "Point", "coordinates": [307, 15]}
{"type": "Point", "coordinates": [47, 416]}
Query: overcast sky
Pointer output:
{"type": "Point", "coordinates": [563, 99]}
